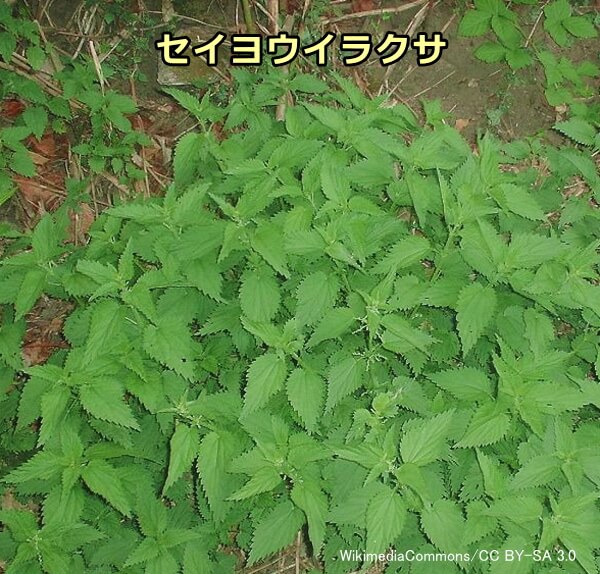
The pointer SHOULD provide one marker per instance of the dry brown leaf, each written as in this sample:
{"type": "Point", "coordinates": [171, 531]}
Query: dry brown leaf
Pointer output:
{"type": "Point", "coordinates": [11, 108]}
{"type": "Point", "coordinates": [36, 196]}
{"type": "Point", "coordinates": [43, 335]}
{"type": "Point", "coordinates": [38, 159]}
{"type": "Point", "coordinates": [293, 6]}
{"type": "Point", "coordinates": [462, 123]}
{"type": "Point", "coordinates": [362, 5]}
{"type": "Point", "coordinates": [45, 146]}
{"type": "Point", "coordinates": [81, 221]}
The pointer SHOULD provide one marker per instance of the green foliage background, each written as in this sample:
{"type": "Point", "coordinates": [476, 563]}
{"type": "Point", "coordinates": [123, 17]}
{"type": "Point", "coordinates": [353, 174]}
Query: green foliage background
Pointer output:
{"type": "Point", "coordinates": [346, 323]}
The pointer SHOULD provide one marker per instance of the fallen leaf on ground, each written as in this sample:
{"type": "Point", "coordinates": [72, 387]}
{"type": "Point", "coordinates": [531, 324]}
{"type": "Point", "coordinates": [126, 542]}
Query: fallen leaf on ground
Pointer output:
{"type": "Point", "coordinates": [81, 221]}
{"type": "Point", "coordinates": [462, 123]}
{"type": "Point", "coordinates": [45, 146]}
{"type": "Point", "coordinates": [11, 108]}
{"type": "Point", "coordinates": [362, 5]}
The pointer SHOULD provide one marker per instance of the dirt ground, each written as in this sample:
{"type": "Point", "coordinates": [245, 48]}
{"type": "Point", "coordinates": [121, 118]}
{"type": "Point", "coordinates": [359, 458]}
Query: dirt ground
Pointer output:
{"type": "Point", "coordinates": [480, 96]}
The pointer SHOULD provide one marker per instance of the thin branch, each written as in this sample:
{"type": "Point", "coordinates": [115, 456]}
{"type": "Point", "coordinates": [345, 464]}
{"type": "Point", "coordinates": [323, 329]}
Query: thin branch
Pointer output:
{"type": "Point", "coordinates": [535, 25]}
{"type": "Point", "coordinates": [434, 85]}
{"type": "Point", "coordinates": [379, 12]}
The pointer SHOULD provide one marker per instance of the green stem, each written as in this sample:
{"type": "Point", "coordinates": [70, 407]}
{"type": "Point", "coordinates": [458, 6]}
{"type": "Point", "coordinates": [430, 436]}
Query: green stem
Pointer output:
{"type": "Point", "coordinates": [248, 17]}
{"type": "Point", "coordinates": [443, 252]}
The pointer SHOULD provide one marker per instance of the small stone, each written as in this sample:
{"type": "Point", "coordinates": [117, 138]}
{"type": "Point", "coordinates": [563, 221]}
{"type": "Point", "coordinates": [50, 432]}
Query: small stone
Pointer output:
{"type": "Point", "coordinates": [186, 75]}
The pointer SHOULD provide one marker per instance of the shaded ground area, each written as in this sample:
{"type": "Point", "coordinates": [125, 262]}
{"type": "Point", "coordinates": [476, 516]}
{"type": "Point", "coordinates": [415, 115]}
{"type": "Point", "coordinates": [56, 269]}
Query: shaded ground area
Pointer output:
{"type": "Point", "coordinates": [480, 96]}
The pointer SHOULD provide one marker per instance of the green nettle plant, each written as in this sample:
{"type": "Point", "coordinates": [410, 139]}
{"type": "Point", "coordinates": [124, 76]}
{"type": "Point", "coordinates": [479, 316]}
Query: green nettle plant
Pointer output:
{"type": "Point", "coordinates": [111, 141]}
{"type": "Point", "coordinates": [495, 16]}
{"type": "Point", "coordinates": [342, 324]}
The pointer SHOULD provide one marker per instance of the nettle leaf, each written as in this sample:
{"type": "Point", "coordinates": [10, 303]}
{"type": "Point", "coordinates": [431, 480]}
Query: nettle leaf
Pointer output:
{"type": "Point", "coordinates": [36, 118]}
{"type": "Point", "coordinates": [482, 248]}
{"type": "Point", "coordinates": [185, 163]}
{"type": "Point", "coordinates": [405, 253]}
{"type": "Point", "coordinates": [344, 378]}
{"type": "Point", "coordinates": [103, 399]}
{"type": "Point", "coordinates": [521, 202]}
{"type": "Point", "coordinates": [184, 449]}
{"type": "Point", "coordinates": [265, 377]}
{"type": "Point", "coordinates": [464, 383]}
{"type": "Point", "coordinates": [400, 336]}
{"type": "Point", "coordinates": [267, 240]}
{"type": "Point", "coordinates": [539, 470]}
{"type": "Point", "coordinates": [316, 294]}
{"type": "Point", "coordinates": [275, 531]}
{"type": "Point", "coordinates": [306, 393]}
{"type": "Point", "coordinates": [334, 178]}
{"type": "Point", "coordinates": [31, 288]}
{"type": "Point", "coordinates": [386, 514]}
{"type": "Point", "coordinates": [578, 130]}
{"type": "Point", "coordinates": [335, 323]}
{"type": "Point", "coordinates": [169, 343]}
{"type": "Point", "coordinates": [444, 525]}
{"type": "Point", "coordinates": [103, 479]}
{"type": "Point", "coordinates": [426, 441]}
{"type": "Point", "coordinates": [204, 274]}
{"type": "Point", "coordinates": [151, 514]}
{"type": "Point", "coordinates": [196, 560]}
{"type": "Point", "coordinates": [215, 452]}
{"type": "Point", "coordinates": [105, 329]}
{"type": "Point", "coordinates": [44, 465]}
{"type": "Point", "coordinates": [54, 404]}
{"type": "Point", "coordinates": [147, 550]}
{"type": "Point", "coordinates": [475, 308]}
{"type": "Point", "coordinates": [530, 250]}
{"type": "Point", "coordinates": [259, 295]}
{"type": "Point", "coordinates": [187, 101]}
{"type": "Point", "coordinates": [22, 163]}
{"type": "Point", "coordinates": [488, 425]}
{"type": "Point", "coordinates": [308, 496]}
{"type": "Point", "coordinates": [264, 479]}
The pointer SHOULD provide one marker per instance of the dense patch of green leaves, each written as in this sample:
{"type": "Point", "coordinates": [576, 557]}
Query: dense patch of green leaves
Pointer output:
{"type": "Point", "coordinates": [342, 321]}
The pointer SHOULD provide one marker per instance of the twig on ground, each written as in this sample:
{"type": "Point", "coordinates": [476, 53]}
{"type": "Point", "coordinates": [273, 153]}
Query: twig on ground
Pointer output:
{"type": "Point", "coordinates": [434, 85]}
{"type": "Point", "coordinates": [167, 11]}
{"type": "Point", "coordinates": [97, 65]}
{"type": "Point", "coordinates": [448, 24]}
{"type": "Point", "coordinates": [22, 68]}
{"type": "Point", "coordinates": [536, 23]}
{"type": "Point", "coordinates": [298, 543]}
{"type": "Point", "coordinates": [142, 154]}
{"type": "Point", "coordinates": [272, 13]}
{"type": "Point", "coordinates": [189, 19]}
{"type": "Point", "coordinates": [43, 11]}
{"type": "Point", "coordinates": [410, 70]}
{"type": "Point", "coordinates": [379, 12]}
{"type": "Point", "coordinates": [84, 20]}
{"type": "Point", "coordinates": [305, 8]}
{"type": "Point", "coordinates": [112, 179]}
{"type": "Point", "coordinates": [419, 17]}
